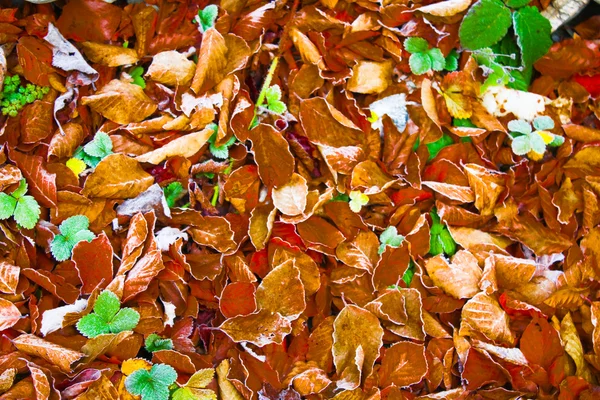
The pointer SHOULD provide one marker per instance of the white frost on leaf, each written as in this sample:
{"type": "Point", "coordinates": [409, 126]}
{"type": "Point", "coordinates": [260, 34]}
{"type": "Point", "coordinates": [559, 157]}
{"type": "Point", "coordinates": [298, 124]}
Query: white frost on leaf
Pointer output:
{"type": "Point", "coordinates": [66, 56]}
{"type": "Point", "coordinates": [500, 101]}
{"type": "Point", "coordinates": [52, 319]}
{"type": "Point", "coordinates": [169, 317]}
{"type": "Point", "coordinates": [393, 106]}
{"type": "Point", "coordinates": [167, 236]}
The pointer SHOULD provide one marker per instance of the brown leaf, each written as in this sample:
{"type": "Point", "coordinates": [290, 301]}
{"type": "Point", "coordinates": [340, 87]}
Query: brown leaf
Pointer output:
{"type": "Point", "coordinates": [9, 314]}
{"type": "Point", "coordinates": [370, 77]}
{"type": "Point", "coordinates": [357, 338]}
{"type": "Point", "coordinates": [143, 272]}
{"type": "Point", "coordinates": [212, 61]}
{"type": "Point", "coordinates": [290, 198]}
{"type": "Point", "coordinates": [462, 194]}
{"type": "Point", "coordinates": [487, 185]}
{"type": "Point", "coordinates": [9, 175]}
{"type": "Point", "coordinates": [93, 261]}
{"type": "Point", "coordinates": [237, 298]}
{"type": "Point", "coordinates": [42, 184]}
{"type": "Point", "coordinates": [109, 55]}
{"type": "Point", "coordinates": [483, 314]}
{"type": "Point", "coordinates": [63, 145]}
{"type": "Point", "coordinates": [447, 8]}
{"type": "Point", "coordinates": [9, 277]}
{"type": "Point", "coordinates": [121, 102]}
{"type": "Point", "coordinates": [60, 356]}
{"type": "Point", "coordinates": [215, 232]}
{"type": "Point", "coordinates": [361, 252]}
{"type": "Point", "coordinates": [369, 176]}
{"type": "Point", "coordinates": [317, 231]}
{"type": "Point", "coordinates": [117, 177]}
{"type": "Point", "coordinates": [325, 125]}
{"type": "Point", "coordinates": [261, 224]}
{"type": "Point", "coordinates": [459, 278]}
{"type": "Point", "coordinates": [281, 291]}
{"type": "Point", "coordinates": [184, 146]}
{"type": "Point", "coordinates": [401, 312]}
{"type": "Point", "coordinates": [171, 68]}
{"type": "Point", "coordinates": [71, 203]}
{"type": "Point", "coordinates": [261, 328]}
{"type": "Point", "coordinates": [37, 121]}
{"type": "Point", "coordinates": [582, 133]}
{"type": "Point", "coordinates": [272, 154]}
{"type": "Point", "coordinates": [573, 347]}
{"type": "Point", "coordinates": [403, 364]}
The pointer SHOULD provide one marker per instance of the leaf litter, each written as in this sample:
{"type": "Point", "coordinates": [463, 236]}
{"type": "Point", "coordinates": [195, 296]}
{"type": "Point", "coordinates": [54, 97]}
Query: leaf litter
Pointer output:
{"type": "Point", "coordinates": [282, 200]}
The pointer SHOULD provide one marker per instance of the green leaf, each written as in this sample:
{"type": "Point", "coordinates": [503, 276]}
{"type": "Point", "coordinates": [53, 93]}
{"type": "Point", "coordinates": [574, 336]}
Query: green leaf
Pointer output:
{"type": "Point", "coordinates": [90, 161]}
{"type": "Point", "coordinates": [390, 237]}
{"type": "Point", "coordinates": [557, 141]}
{"type": "Point", "coordinates": [86, 235]}
{"type": "Point", "coordinates": [537, 143]}
{"type": "Point", "coordinates": [142, 383]}
{"type": "Point", "coordinates": [438, 61]}
{"type": "Point", "coordinates": [517, 3]}
{"type": "Point", "coordinates": [520, 145]}
{"type": "Point", "coordinates": [447, 241]}
{"type": "Point", "coordinates": [92, 325]}
{"type": "Point", "coordinates": [420, 63]}
{"type": "Point", "coordinates": [60, 248]}
{"type": "Point", "coordinates": [7, 206]}
{"type": "Point", "coordinates": [435, 147]}
{"type": "Point", "coordinates": [273, 98]}
{"type": "Point", "coordinates": [409, 273]}
{"type": "Point", "coordinates": [543, 123]}
{"type": "Point", "coordinates": [435, 245]}
{"type": "Point", "coordinates": [74, 224]}
{"type": "Point", "coordinates": [208, 16]}
{"type": "Point", "coordinates": [484, 25]}
{"type": "Point", "coordinates": [465, 123]}
{"type": "Point", "coordinates": [155, 343]}
{"type": "Point", "coordinates": [520, 126]}
{"type": "Point", "coordinates": [416, 45]}
{"type": "Point", "coordinates": [100, 147]}
{"type": "Point", "coordinates": [452, 61]}
{"type": "Point", "coordinates": [107, 305]}
{"type": "Point", "coordinates": [533, 32]}
{"type": "Point", "coordinates": [21, 190]}
{"type": "Point", "coordinates": [436, 224]}
{"type": "Point", "coordinates": [183, 394]}
{"type": "Point", "coordinates": [125, 320]}
{"type": "Point", "coordinates": [173, 192]}
{"type": "Point", "coordinates": [27, 212]}
{"type": "Point", "coordinates": [340, 197]}
{"type": "Point", "coordinates": [136, 74]}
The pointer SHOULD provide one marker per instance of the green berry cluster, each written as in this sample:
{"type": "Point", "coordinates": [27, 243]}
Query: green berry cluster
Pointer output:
{"type": "Point", "coordinates": [15, 96]}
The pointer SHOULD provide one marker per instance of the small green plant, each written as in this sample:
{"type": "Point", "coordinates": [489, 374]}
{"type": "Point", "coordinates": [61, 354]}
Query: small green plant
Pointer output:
{"type": "Point", "coordinates": [108, 317]}
{"type": "Point", "coordinates": [488, 21]}
{"type": "Point", "coordinates": [72, 231]}
{"type": "Point", "coordinates": [221, 152]}
{"type": "Point", "coordinates": [155, 343]}
{"type": "Point", "coordinates": [206, 18]}
{"type": "Point", "coordinates": [173, 192]}
{"type": "Point", "coordinates": [195, 388]}
{"type": "Point", "coordinates": [526, 140]}
{"type": "Point", "coordinates": [389, 237]}
{"type": "Point", "coordinates": [15, 96]}
{"type": "Point", "coordinates": [407, 277]}
{"type": "Point", "coordinates": [24, 208]}
{"type": "Point", "coordinates": [153, 384]}
{"type": "Point", "coordinates": [357, 200]}
{"type": "Point", "coordinates": [94, 151]}
{"type": "Point", "coordinates": [441, 241]}
{"type": "Point", "coordinates": [422, 58]}
{"type": "Point", "coordinates": [341, 197]}
{"type": "Point", "coordinates": [272, 94]}
{"type": "Point", "coordinates": [136, 75]}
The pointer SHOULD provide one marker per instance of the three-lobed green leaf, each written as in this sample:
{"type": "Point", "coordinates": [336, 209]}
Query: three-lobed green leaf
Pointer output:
{"type": "Point", "coordinates": [273, 98]}
{"type": "Point", "coordinates": [389, 237]}
{"type": "Point", "coordinates": [207, 17]}
{"type": "Point", "coordinates": [155, 343]}
{"type": "Point", "coordinates": [108, 317]}
{"type": "Point", "coordinates": [153, 384]}
{"type": "Point", "coordinates": [72, 231]}
{"type": "Point", "coordinates": [24, 208]}
{"type": "Point", "coordinates": [423, 59]}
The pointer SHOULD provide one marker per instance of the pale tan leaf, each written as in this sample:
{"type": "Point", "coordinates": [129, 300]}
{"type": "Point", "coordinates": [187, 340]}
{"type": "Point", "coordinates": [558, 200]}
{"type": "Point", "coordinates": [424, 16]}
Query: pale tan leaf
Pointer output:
{"type": "Point", "coordinates": [109, 55]}
{"type": "Point", "coordinates": [459, 278]}
{"type": "Point", "coordinates": [290, 198]}
{"type": "Point", "coordinates": [483, 314]}
{"type": "Point", "coordinates": [184, 146]}
{"type": "Point", "coordinates": [171, 68]}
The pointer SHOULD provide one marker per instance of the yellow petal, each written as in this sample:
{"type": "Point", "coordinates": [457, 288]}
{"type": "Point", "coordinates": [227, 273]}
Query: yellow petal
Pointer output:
{"type": "Point", "coordinates": [76, 165]}
{"type": "Point", "coordinates": [534, 156]}
{"type": "Point", "coordinates": [547, 136]}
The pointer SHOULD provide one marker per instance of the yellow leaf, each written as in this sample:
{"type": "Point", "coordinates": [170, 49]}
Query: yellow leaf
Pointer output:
{"type": "Point", "coordinates": [573, 347]}
{"type": "Point", "coordinates": [130, 366]}
{"type": "Point", "coordinates": [76, 165]}
{"type": "Point", "coordinates": [228, 391]}
{"type": "Point", "coordinates": [201, 378]}
{"type": "Point", "coordinates": [458, 105]}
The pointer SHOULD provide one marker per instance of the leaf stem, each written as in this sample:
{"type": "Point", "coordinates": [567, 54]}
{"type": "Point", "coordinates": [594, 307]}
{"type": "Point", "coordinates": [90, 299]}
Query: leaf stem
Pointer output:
{"type": "Point", "coordinates": [263, 91]}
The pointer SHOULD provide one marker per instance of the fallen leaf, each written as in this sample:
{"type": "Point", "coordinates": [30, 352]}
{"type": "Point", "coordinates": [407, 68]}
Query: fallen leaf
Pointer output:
{"type": "Point", "coordinates": [458, 278]}
{"type": "Point", "coordinates": [117, 177]}
{"type": "Point", "coordinates": [57, 355]}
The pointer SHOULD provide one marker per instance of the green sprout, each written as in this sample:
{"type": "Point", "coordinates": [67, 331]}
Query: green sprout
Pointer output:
{"type": "Point", "coordinates": [173, 192]}
{"type": "Point", "coordinates": [422, 58]}
{"type": "Point", "coordinates": [136, 75]}
{"type": "Point", "coordinates": [389, 237]}
{"type": "Point", "coordinates": [72, 231]}
{"type": "Point", "coordinates": [441, 240]}
{"type": "Point", "coordinates": [206, 18]}
{"type": "Point", "coordinates": [108, 317]}
{"type": "Point", "coordinates": [14, 96]}
{"type": "Point", "coordinates": [94, 151]}
{"type": "Point", "coordinates": [24, 208]}
{"type": "Point", "coordinates": [155, 343]}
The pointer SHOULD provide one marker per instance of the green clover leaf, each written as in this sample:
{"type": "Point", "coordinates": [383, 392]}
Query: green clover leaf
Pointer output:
{"type": "Point", "coordinates": [357, 200]}
{"type": "Point", "coordinates": [173, 192]}
{"type": "Point", "coordinates": [72, 231]}
{"type": "Point", "coordinates": [543, 123]}
{"type": "Point", "coordinates": [100, 147]}
{"type": "Point", "coordinates": [25, 209]}
{"type": "Point", "coordinates": [207, 17]}
{"type": "Point", "coordinates": [153, 384]}
{"type": "Point", "coordinates": [108, 317]}
{"type": "Point", "coordinates": [423, 59]}
{"type": "Point", "coordinates": [155, 343]}
{"type": "Point", "coordinates": [390, 237]}
{"type": "Point", "coordinates": [273, 98]}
